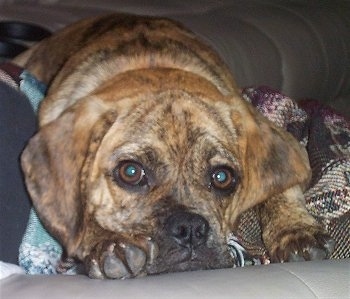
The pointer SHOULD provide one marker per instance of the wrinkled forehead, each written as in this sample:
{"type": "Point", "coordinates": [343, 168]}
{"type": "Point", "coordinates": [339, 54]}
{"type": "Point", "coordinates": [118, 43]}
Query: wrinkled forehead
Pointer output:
{"type": "Point", "coordinates": [176, 121]}
{"type": "Point", "coordinates": [169, 127]}
{"type": "Point", "coordinates": [171, 133]}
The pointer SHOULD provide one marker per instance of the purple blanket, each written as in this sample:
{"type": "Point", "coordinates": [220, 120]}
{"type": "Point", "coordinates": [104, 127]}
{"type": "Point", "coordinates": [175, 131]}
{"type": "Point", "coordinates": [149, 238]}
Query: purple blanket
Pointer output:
{"type": "Point", "coordinates": [326, 136]}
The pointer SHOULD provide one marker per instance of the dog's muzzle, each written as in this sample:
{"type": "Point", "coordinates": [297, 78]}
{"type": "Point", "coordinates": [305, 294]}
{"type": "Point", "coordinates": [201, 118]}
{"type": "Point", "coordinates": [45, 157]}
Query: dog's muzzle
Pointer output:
{"type": "Point", "coordinates": [189, 230]}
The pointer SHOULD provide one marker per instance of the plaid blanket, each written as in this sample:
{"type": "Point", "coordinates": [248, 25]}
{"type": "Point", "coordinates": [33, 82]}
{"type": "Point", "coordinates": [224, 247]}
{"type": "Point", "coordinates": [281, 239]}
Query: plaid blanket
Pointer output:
{"type": "Point", "coordinates": [324, 133]}
{"type": "Point", "coordinates": [326, 137]}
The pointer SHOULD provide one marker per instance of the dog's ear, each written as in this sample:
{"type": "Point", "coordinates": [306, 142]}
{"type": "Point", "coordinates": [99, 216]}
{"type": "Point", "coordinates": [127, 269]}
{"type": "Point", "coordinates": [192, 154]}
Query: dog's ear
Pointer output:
{"type": "Point", "coordinates": [52, 164]}
{"type": "Point", "coordinates": [272, 159]}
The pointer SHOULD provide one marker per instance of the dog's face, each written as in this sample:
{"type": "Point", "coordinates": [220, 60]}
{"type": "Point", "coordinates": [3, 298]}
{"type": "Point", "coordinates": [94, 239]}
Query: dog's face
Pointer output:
{"type": "Point", "coordinates": [167, 161]}
{"type": "Point", "coordinates": [162, 172]}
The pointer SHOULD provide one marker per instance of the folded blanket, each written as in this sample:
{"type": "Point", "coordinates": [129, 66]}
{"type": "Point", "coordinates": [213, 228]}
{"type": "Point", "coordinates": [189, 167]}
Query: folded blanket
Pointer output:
{"type": "Point", "coordinates": [324, 133]}
{"type": "Point", "coordinates": [326, 137]}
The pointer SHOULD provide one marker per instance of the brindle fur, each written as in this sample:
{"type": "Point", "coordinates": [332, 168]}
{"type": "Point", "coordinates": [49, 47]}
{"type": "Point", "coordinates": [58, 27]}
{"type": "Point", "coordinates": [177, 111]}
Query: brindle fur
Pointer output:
{"type": "Point", "coordinates": [123, 87]}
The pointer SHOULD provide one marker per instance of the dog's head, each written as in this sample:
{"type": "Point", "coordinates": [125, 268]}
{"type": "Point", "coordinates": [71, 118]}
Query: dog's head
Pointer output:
{"type": "Point", "coordinates": [162, 154]}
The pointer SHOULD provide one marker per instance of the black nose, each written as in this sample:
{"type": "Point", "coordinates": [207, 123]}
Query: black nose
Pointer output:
{"type": "Point", "coordinates": [187, 229]}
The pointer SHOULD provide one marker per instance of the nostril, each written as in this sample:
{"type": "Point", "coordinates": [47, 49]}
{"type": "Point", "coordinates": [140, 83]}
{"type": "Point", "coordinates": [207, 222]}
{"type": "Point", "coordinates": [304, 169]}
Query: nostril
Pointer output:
{"type": "Point", "coordinates": [200, 233]}
{"type": "Point", "coordinates": [187, 229]}
{"type": "Point", "coordinates": [182, 232]}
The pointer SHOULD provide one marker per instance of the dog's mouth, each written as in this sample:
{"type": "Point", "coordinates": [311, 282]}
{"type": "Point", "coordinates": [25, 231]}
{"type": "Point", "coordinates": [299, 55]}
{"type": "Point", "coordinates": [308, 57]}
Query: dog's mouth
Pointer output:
{"type": "Point", "coordinates": [186, 245]}
{"type": "Point", "coordinates": [180, 260]}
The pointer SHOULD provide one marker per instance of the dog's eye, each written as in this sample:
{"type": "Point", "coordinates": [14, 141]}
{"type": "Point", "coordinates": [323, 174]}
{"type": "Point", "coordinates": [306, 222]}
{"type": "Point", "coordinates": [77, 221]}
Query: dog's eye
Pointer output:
{"type": "Point", "coordinates": [223, 178]}
{"type": "Point", "coordinates": [130, 173]}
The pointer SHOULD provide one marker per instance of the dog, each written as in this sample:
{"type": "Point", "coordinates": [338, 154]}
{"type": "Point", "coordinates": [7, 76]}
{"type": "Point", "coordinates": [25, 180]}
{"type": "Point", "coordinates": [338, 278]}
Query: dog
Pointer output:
{"type": "Point", "coordinates": [146, 154]}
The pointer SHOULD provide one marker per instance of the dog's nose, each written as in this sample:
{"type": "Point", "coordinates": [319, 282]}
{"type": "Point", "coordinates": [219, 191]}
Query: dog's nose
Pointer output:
{"type": "Point", "coordinates": [187, 229]}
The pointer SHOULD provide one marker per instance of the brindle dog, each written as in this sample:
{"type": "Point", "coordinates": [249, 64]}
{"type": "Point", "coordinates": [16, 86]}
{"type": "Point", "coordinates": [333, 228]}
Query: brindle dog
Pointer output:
{"type": "Point", "coordinates": [146, 154]}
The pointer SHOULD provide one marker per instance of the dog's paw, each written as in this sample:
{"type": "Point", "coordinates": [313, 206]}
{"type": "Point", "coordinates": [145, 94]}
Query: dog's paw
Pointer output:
{"type": "Point", "coordinates": [120, 260]}
{"type": "Point", "coordinates": [302, 245]}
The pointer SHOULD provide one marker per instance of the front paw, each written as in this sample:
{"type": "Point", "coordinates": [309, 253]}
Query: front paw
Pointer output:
{"type": "Point", "coordinates": [119, 260]}
{"type": "Point", "coordinates": [302, 244]}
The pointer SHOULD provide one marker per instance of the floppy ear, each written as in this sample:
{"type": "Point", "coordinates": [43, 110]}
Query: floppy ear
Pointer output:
{"type": "Point", "coordinates": [272, 159]}
{"type": "Point", "coordinates": [52, 164]}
